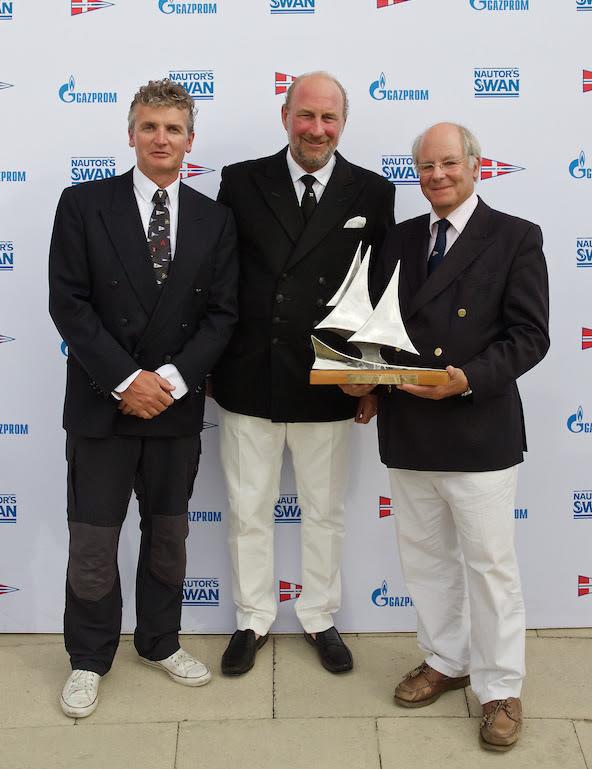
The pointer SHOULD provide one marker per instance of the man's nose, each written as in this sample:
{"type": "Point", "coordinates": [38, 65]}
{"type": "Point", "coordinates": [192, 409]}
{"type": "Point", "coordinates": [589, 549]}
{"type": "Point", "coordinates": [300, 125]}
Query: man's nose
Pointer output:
{"type": "Point", "coordinates": [160, 135]}
{"type": "Point", "coordinates": [317, 128]}
{"type": "Point", "coordinates": [438, 173]}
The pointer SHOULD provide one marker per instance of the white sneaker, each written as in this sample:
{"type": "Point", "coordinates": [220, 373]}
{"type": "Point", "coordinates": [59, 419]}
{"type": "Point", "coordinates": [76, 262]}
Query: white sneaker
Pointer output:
{"type": "Point", "coordinates": [80, 695]}
{"type": "Point", "coordinates": [182, 668]}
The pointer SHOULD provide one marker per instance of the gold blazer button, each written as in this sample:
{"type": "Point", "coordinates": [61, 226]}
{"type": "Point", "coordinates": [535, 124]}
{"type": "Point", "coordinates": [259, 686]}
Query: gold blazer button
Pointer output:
{"type": "Point", "coordinates": [462, 312]}
{"type": "Point", "coordinates": [438, 352]}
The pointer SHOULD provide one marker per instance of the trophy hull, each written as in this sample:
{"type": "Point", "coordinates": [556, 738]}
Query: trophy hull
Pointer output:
{"type": "Point", "coordinates": [392, 376]}
{"type": "Point", "coordinates": [334, 367]}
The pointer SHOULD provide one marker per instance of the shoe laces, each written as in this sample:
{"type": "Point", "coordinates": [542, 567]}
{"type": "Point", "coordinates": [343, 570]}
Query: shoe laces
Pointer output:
{"type": "Point", "coordinates": [82, 681]}
{"type": "Point", "coordinates": [504, 705]}
{"type": "Point", "coordinates": [183, 660]}
{"type": "Point", "coordinates": [423, 668]}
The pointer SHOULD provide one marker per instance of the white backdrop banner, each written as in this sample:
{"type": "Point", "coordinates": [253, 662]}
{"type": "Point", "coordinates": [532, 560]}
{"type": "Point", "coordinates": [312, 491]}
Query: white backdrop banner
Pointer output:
{"type": "Point", "coordinates": [514, 71]}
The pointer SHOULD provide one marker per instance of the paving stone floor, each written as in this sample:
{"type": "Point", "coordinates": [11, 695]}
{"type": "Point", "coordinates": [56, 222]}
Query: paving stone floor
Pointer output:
{"type": "Point", "coordinates": [287, 713]}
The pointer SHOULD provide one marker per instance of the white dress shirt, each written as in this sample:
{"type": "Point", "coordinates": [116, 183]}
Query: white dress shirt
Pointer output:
{"type": "Point", "coordinates": [321, 176]}
{"type": "Point", "coordinates": [458, 221]}
{"type": "Point", "coordinates": [144, 189]}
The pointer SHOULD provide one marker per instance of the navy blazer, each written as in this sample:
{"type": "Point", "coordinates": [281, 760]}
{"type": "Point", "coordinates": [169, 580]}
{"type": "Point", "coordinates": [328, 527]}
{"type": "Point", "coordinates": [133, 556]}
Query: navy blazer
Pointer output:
{"type": "Point", "coordinates": [485, 309]}
{"type": "Point", "coordinates": [105, 302]}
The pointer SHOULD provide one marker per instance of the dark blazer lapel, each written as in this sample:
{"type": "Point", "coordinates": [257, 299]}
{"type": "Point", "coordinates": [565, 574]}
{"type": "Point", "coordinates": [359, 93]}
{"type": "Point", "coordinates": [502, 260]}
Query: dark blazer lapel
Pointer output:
{"type": "Point", "coordinates": [278, 191]}
{"type": "Point", "coordinates": [188, 251]}
{"type": "Point", "coordinates": [125, 229]}
{"type": "Point", "coordinates": [332, 207]}
{"type": "Point", "coordinates": [471, 243]}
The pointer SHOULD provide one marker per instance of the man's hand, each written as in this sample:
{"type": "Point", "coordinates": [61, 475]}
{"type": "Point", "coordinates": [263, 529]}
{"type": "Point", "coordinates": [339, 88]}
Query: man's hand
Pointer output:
{"type": "Point", "coordinates": [147, 396]}
{"type": "Point", "coordinates": [357, 390]}
{"type": "Point", "coordinates": [367, 408]}
{"type": "Point", "coordinates": [458, 384]}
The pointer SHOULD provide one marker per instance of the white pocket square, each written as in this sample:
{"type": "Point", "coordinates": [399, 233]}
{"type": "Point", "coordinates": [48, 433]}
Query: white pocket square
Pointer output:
{"type": "Point", "coordinates": [357, 222]}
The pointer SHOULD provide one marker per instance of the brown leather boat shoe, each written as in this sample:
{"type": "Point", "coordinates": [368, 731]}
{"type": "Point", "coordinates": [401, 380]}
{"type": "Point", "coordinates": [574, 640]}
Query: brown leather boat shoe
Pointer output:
{"type": "Point", "coordinates": [501, 724]}
{"type": "Point", "coordinates": [424, 685]}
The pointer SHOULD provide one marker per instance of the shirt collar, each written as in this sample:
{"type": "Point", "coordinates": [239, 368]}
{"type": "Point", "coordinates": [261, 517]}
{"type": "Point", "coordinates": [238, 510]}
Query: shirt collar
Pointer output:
{"type": "Point", "coordinates": [322, 175]}
{"type": "Point", "coordinates": [146, 188]}
{"type": "Point", "coordinates": [460, 216]}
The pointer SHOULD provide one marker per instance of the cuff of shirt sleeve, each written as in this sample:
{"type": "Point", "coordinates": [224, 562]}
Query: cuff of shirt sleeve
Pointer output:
{"type": "Point", "coordinates": [171, 372]}
{"type": "Point", "coordinates": [125, 384]}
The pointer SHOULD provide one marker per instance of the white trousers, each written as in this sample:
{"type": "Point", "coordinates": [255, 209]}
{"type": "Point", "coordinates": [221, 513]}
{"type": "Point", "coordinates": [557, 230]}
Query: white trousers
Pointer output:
{"type": "Point", "coordinates": [251, 450]}
{"type": "Point", "coordinates": [456, 543]}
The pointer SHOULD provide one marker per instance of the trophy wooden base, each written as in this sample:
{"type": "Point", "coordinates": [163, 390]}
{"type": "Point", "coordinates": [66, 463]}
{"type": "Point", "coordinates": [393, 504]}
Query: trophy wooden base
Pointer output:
{"type": "Point", "coordinates": [382, 376]}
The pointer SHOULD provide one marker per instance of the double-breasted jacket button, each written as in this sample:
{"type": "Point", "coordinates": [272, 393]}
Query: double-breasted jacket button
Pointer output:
{"type": "Point", "coordinates": [322, 281]}
{"type": "Point", "coordinates": [276, 319]}
{"type": "Point", "coordinates": [184, 325]}
{"type": "Point", "coordinates": [114, 283]}
{"type": "Point", "coordinates": [438, 351]}
{"type": "Point", "coordinates": [168, 358]}
{"type": "Point", "coordinates": [320, 302]}
{"type": "Point", "coordinates": [279, 298]}
{"type": "Point", "coordinates": [461, 312]}
{"type": "Point", "coordinates": [275, 340]}
{"type": "Point", "coordinates": [123, 321]}
{"type": "Point", "coordinates": [197, 290]}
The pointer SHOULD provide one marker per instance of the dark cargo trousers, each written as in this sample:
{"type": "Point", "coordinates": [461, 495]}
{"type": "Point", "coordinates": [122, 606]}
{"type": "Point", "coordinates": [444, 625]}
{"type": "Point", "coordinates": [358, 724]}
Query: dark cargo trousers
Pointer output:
{"type": "Point", "coordinates": [102, 473]}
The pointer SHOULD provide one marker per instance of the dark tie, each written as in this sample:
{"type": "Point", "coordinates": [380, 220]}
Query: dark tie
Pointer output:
{"type": "Point", "coordinates": [439, 246]}
{"type": "Point", "coordinates": [309, 200]}
{"type": "Point", "coordinates": [159, 237]}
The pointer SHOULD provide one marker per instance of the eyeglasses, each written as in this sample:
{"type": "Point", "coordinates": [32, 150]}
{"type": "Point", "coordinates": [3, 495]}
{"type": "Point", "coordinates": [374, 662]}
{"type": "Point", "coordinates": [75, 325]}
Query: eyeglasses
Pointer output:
{"type": "Point", "coordinates": [446, 166]}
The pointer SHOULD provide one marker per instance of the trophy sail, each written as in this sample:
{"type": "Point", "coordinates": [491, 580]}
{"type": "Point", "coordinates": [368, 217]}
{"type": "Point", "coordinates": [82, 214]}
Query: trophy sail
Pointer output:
{"type": "Point", "coordinates": [353, 306]}
{"type": "Point", "coordinates": [385, 325]}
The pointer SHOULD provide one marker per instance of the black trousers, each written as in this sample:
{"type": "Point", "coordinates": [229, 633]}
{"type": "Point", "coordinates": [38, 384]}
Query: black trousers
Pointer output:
{"type": "Point", "coordinates": [102, 472]}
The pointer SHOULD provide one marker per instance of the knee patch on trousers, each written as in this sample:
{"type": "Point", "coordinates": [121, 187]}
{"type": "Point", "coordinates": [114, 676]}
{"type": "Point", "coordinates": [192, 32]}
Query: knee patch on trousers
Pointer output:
{"type": "Point", "coordinates": [167, 550]}
{"type": "Point", "coordinates": [92, 566]}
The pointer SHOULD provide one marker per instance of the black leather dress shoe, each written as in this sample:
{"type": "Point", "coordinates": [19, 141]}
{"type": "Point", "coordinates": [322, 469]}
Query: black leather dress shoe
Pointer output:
{"type": "Point", "coordinates": [333, 653]}
{"type": "Point", "coordinates": [239, 656]}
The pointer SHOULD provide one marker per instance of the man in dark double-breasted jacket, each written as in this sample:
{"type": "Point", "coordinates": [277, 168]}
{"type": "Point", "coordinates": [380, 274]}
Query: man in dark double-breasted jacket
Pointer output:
{"type": "Point", "coordinates": [143, 289]}
{"type": "Point", "coordinates": [300, 217]}
{"type": "Point", "coordinates": [473, 294]}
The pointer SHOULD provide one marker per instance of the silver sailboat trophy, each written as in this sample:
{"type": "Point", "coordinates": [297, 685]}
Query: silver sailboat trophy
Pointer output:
{"type": "Point", "coordinates": [369, 329]}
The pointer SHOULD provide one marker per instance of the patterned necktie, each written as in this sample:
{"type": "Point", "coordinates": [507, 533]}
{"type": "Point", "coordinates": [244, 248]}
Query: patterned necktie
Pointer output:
{"type": "Point", "coordinates": [309, 200]}
{"type": "Point", "coordinates": [439, 246]}
{"type": "Point", "coordinates": [159, 237]}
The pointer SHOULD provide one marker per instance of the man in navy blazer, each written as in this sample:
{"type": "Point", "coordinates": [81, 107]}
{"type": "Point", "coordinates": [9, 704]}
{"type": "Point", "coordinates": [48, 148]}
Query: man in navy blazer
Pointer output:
{"type": "Point", "coordinates": [473, 294]}
{"type": "Point", "coordinates": [143, 277]}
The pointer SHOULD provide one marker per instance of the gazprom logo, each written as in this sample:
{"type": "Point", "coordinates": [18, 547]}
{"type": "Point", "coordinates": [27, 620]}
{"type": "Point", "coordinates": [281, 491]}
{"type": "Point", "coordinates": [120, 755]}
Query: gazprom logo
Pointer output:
{"type": "Point", "coordinates": [6, 11]}
{"type": "Point", "coordinates": [14, 428]}
{"type": "Point", "coordinates": [7, 508]}
{"type": "Point", "coordinates": [201, 591]}
{"type": "Point", "coordinates": [578, 168]}
{"type": "Point", "coordinates": [186, 9]}
{"type": "Point", "coordinates": [287, 509]}
{"type": "Point", "coordinates": [576, 424]}
{"type": "Point", "coordinates": [584, 251]}
{"type": "Point", "coordinates": [380, 92]}
{"type": "Point", "coordinates": [68, 94]}
{"type": "Point", "coordinates": [399, 169]}
{"type": "Point", "coordinates": [91, 169]}
{"type": "Point", "coordinates": [583, 5]}
{"type": "Point", "coordinates": [496, 83]}
{"type": "Point", "coordinates": [199, 83]}
{"type": "Point", "coordinates": [499, 5]}
{"type": "Point", "coordinates": [13, 176]}
{"type": "Point", "coordinates": [381, 597]}
{"type": "Point", "coordinates": [204, 516]}
{"type": "Point", "coordinates": [6, 256]}
{"type": "Point", "coordinates": [291, 6]}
